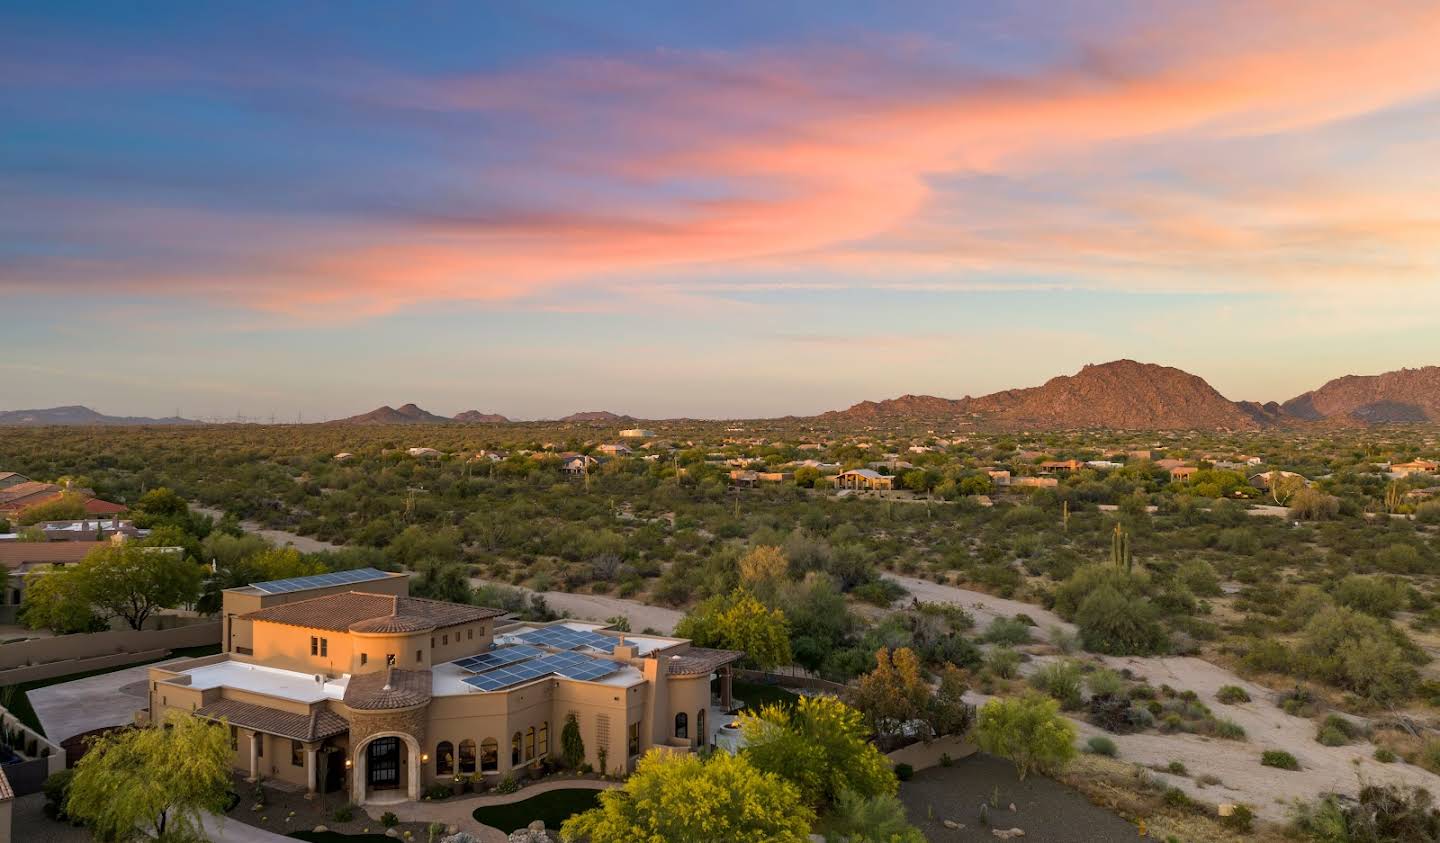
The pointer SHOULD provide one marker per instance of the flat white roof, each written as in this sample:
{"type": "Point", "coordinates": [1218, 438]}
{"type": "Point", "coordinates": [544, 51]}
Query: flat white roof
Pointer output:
{"type": "Point", "coordinates": [286, 684]}
{"type": "Point", "coordinates": [448, 680]}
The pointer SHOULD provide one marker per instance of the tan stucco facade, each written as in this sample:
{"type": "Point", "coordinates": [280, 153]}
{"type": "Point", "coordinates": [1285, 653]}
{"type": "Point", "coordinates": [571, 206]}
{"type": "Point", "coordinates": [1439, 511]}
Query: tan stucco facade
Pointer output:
{"type": "Point", "coordinates": [426, 737]}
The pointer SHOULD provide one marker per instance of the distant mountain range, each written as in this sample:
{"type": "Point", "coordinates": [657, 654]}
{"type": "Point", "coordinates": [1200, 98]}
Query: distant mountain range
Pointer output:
{"type": "Point", "coordinates": [1121, 395]}
{"type": "Point", "coordinates": [1127, 395]}
{"type": "Point", "coordinates": [76, 416]}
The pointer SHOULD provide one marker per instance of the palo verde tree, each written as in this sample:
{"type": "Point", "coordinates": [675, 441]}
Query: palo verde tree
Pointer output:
{"type": "Point", "coordinates": [673, 798]}
{"type": "Point", "coordinates": [820, 745]}
{"type": "Point", "coordinates": [156, 782]}
{"type": "Point", "coordinates": [1028, 730]}
{"type": "Point", "coordinates": [738, 621]}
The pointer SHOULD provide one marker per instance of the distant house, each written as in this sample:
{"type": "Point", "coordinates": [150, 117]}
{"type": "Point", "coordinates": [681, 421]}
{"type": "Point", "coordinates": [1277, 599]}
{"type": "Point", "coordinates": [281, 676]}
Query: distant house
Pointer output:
{"type": "Point", "coordinates": [863, 479]}
{"type": "Point", "coordinates": [636, 433]}
{"type": "Point", "coordinates": [343, 456]}
{"type": "Point", "coordinates": [999, 476]}
{"type": "Point", "coordinates": [1181, 473]}
{"type": "Point", "coordinates": [85, 529]}
{"type": "Point", "coordinates": [615, 450]}
{"type": "Point", "coordinates": [1169, 464]}
{"type": "Point", "coordinates": [24, 495]}
{"type": "Point", "coordinates": [1265, 479]}
{"type": "Point", "coordinates": [894, 464]}
{"type": "Point", "coordinates": [21, 558]}
{"type": "Point", "coordinates": [1405, 469]}
{"type": "Point", "coordinates": [12, 478]}
{"type": "Point", "coordinates": [1061, 465]}
{"type": "Point", "coordinates": [423, 452]}
{"type": "Point", "coordinates": [1036, 482]}
{"type": "Point", "coordinates": [1104, 465]}
{"type": "Point", "coordinates": [1137, 455]}
{"type": "Point", "coordinates": [576, 465]}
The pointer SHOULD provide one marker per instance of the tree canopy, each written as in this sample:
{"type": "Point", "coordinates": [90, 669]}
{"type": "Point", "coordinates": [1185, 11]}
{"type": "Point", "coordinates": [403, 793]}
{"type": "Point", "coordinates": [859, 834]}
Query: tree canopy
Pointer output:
{"type": "Point", "coordinates": [158, 782]}
{"type": "Point", "coordinates": [1028, 730]}
{"type": "Point", "coordinates": [124, 581]}
{"type": "Point", "coordinates": [820, 745]}
{"type": "Point", "coordinates": [675, 798]}
{"type": "Point", "coordinates": [738, 621]}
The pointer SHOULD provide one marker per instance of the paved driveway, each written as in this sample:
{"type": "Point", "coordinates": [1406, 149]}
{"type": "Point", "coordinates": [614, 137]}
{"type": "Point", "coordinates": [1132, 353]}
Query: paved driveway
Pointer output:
{"type": "Point", "coordinates": [109, 699]}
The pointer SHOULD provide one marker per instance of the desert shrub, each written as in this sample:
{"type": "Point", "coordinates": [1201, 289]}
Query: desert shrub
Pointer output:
{"type": "Point", "coordinates": [904, 772]}
{"type": "Point", "coordinates": [1378, 596]}
{"type": "Point", "coordinates": [1104, 682]}
{"type": "Point", "coordinates": [1065, 642]}
{"type": "Point", "coordinates": [507, 784]}
{"type": "Point", "coordinates": [1228, 729]}
{"type": "Point", "coordinates": [1101, 745]}
{"type": "Point", "coordinates": [1199, 577]}
{"type": "Point", "coordinates": [1177, 768]}
{"type": "Point", "coordinates": [1007, 631]}
{"type": "Point", "coordinates": [1384, 755]}
{"type": "Point", "coordinates": [1061, 680]}
{"type": "Point", "coordinates": [1070, 594]}
{"type": "Point", "coordinates": [1337, 731]}
{"type": "Point", "coordinates": [1313, 505]}
{"type": "Point", "coordinates": [1003, 662]}
{"type": "Point", "coordinates": [1119, 625]}
{"type": "Point", "coordinates": [1242, 819]}
{"type": "Point", "coordinates": [1380, 814]}
{"type": "Point", "coordinates": [1232, 695]}
{"type": "Point", "coordinates": [1176, 798]}
{"type": "Point", "coordinates": [1358, 653]}
{"type": "Point", "coordinates": [1429, 756]}
{"type": "Point", "coordinates": [1279, 759]}
{"type": "Point", "coordinates": [343, 814]}
{"type": "Point", "coordinates": [1115, 714]}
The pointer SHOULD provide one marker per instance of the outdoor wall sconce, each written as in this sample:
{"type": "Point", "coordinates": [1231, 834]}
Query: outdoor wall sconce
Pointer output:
{"type": "Point", "coordinates": [347, 763]}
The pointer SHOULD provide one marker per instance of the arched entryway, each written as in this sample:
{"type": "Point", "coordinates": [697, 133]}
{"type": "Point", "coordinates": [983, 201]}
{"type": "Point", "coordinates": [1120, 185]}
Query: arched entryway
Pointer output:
{"type": "Point", "coordinates": [386, 769]}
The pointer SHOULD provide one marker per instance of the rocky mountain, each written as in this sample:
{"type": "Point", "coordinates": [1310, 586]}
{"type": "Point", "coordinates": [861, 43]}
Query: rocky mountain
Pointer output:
{"type": "Point", "coordinates": [594, 416]}
{"type": "Point", "coordinates": [77, 415]}
{"type": "Point", "coordinates": [1123, 394]}
{"type": "Point", "coordinates": [477, 417]}
{"type": "Point", "coordinates": [1407, 395]}
{"type": "Point", "coordinates": [407, 414]}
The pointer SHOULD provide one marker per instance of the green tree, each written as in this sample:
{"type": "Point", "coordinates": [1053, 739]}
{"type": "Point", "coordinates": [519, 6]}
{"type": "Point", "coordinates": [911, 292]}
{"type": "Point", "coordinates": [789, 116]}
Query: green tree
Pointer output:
{"type": "Point", "coordinates": [821, 745]}
{"type": "Point", "coordinates": [892, 695]}
{"type": "Point", "coordinates": [1028, 730]}
{"type": "Point", "coordinates": [878, 819]}
{"type": "Point", "coordinates": [156, 782]}
{"type": "Point", "coordinates": [572, 746]}
{"type": "Point", "coordinates": [673, 798]}
{"type": "Point", "coordinates": [52, 603]}
{"type": "Point", "coordinates": [1113, 623]}
{"type": "Point", "coordinates": [738, 621]}
{"type": "Point", "coordinates": [118, 581]}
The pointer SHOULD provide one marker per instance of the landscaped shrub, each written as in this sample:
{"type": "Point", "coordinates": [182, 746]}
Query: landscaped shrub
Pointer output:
{"type": "Point", "coordinates": [57, 790]}
{"type": "Point", "coordinates": [1101, 745]}
{"type": "Point", "coordinates": [1279, 759]}
{"type": "Point", "coordinates": [438, 791]}
{"type": "Point", "coordinates": [344, 814]}
{"type": "Point", "coordinates": [389, 820]}
{"type": "Point", "coordinates": [507, 784]}
{"type": "Point", "coordinates": [1232, 695]}
{"type": "Point", "coordinates": [904, 772]}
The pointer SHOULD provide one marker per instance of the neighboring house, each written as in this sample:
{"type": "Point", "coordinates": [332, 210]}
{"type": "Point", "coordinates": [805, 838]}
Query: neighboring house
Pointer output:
{"type": "Point", "coordinates": [1061, 465]}
{"type": "Point", "coordinates": [1103, 465]}
{"type": "Point", "coordinates": [377, 695]}
{"type": "Point", "coordinates": [23, 558]}
{"type": "Point", "coordinates": [615, 450]}
{"type": "Point", "coordinates": [1264, 479]}
{"type": "Point", "coordinates": [423, 452]}
{"type": "Point", "coordinates": [636, 433]}
{"type": "Point", "coordinates": [999, 476]}
{"type": "Point", "coordinates": [1137, 455]}
{"type": "Point", "coordinates": [21, 496]}
{"type": "Point", "coordinates": [1181, 473]}
{"type": "Point", "coordinates": [90, 529]}
{"type": "Point", "coordinates": [576, 465]}
{"type": "Point", "coordinates": [1036, 482]}
{"type": "Point", "coordinates": [863, 479]}
{"type": "Point", "coordinates": [1168, 464]}
{"type": "Point", "coordinates": [892, 464]}
{"type": "Point", "coordinates": [343, 456]}
{"type": "Point", "coordinates": [742, 477]}
{"type": "Point", "coordinates": [1405, 469]}
{"type": "Point", "coordinates": [11, 478]}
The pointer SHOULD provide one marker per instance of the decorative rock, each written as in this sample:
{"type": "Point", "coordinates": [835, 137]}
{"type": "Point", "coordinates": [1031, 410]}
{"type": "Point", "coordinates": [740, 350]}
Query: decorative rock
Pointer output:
{"type": "Point", "coordinates": [1008, 833]}
{"type": "Point", "coordinates": [320, 829]}
{"type": "Point", "coordinates": [536, 825]}
{"type": "Point", "coordinates": [1012, 807]}
{"type": "Point", "coordinates": [952, 824]}
{"type": "Point", "coordinates": [459, 837]}
{"type": "Point", "coordinates": [392, 832]}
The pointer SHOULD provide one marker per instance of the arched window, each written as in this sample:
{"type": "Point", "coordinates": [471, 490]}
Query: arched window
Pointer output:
{"type": "Point", "coordinates": [530, 743]}
{"type": "Point", "coordinates": [515, 750]}
{"type": "Point", "coordinates": [467, 756]}
{"type": "Point", "coordinates": [489, 755]}
{"type": "Point", "coordinates": [700, 734]}
{"type": "Point", "coordinates": [545, 738]}
{"type": "Point", "coordinates": [682, 725]}
{"type": "Point", "coordinates": [444, 758]}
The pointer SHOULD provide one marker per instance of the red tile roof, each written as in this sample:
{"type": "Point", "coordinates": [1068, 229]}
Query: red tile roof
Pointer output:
{"type": "Point", "coordinates": [373, 613]}
{"type": "Point", "coordinates": [15, 554]}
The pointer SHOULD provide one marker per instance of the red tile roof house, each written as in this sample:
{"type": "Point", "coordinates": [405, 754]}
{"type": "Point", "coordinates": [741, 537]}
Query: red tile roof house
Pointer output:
{"type": "Point", "coordinates": [21, 496]}
{"type": "Point", "coordinates": [21, 558]}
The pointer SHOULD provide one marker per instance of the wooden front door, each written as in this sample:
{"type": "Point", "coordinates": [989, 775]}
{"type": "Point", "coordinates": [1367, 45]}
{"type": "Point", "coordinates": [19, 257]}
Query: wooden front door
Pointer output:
{"type": "Point", "coordinates": [382, 763]}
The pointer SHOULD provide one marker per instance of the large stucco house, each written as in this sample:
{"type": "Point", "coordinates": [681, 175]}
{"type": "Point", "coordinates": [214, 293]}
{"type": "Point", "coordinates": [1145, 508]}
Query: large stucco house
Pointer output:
{"type": "Point", "coordinates": [344, 682]}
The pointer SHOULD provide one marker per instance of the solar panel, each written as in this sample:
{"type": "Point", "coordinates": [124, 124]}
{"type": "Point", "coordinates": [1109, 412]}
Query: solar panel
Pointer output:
{"type": "Point", "coordinates": [564, 638]}
{"type": "Point", "coordinates": [568, 665]}
{"type": "Point", "coordinates": [498, 658]}
{"type": "Point", "coordinates": [318, 581]}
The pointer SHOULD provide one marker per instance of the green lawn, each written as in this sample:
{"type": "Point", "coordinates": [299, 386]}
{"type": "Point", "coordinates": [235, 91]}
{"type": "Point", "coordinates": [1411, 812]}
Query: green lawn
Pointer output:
{"type": "Point", "coordinates": [554, 807]}
{"type": "Point", "coordinates": [18, 701]}
{"type": "Point", "coordinates": [756, 694]}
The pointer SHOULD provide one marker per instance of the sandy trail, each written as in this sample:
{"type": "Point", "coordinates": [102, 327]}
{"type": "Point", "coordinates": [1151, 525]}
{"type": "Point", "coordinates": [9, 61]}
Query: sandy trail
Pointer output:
{"type": "Point", "coordinates": [304, 544]}
{"type": "Point", "coordinates": [1268, 791]}
{"type": "Point", "coordinates": [600, 607]}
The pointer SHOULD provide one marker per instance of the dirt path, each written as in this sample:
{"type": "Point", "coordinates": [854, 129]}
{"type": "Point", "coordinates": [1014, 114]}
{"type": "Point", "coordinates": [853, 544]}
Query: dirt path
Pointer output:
{"type": "Point", "coordinates": [304, 544]}
{"type": "Point", "coordinates": [600, 607]}
{"type": "Point", "coordinates": [1236, 763]}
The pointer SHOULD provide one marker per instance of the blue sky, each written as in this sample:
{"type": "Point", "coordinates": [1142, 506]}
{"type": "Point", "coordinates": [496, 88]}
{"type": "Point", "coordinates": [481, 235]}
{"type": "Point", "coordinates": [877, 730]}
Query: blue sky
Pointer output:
{"type": "Point", "coordinates": [733, 210]}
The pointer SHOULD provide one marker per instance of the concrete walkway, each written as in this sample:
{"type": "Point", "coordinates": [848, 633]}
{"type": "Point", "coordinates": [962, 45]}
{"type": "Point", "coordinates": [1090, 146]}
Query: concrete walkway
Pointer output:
{"type": "Point", "coordinates": [460, 812]}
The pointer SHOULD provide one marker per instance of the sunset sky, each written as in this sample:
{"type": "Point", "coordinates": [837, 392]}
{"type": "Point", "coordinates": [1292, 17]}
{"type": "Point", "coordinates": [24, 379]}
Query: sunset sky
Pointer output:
{"type": "Point", "coordinates": [721, 209]}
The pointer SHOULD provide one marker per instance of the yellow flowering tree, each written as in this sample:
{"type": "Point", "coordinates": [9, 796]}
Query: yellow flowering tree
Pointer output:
{"type": "Point", "coordinates": [738, 621]}
{"type": "Point", "coordinates": [822, 746]}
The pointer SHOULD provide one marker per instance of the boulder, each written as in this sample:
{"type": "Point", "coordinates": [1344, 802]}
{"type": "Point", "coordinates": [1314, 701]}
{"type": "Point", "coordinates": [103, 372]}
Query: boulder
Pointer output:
{"type": "Point", "coordinates": [1008, 834]}
{"type": "Point", "coordinates": [952, 824]}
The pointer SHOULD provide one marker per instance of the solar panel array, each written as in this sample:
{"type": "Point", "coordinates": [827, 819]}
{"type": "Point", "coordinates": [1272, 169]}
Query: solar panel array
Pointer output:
{"type": "Point", "coordinates": [498, 658]}
{"type": "Point", "coordinates": [564, 638]}
{"type": "Point", "coordinates": [319, 581]}
{"type": "Point", "coordinates": [569, 665]}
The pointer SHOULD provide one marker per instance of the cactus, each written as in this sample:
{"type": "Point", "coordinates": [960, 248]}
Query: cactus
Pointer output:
{"type": "Point", "coordinates": [1120, 548]}
{"type": "Point", "coordinates": [1065, 515]}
